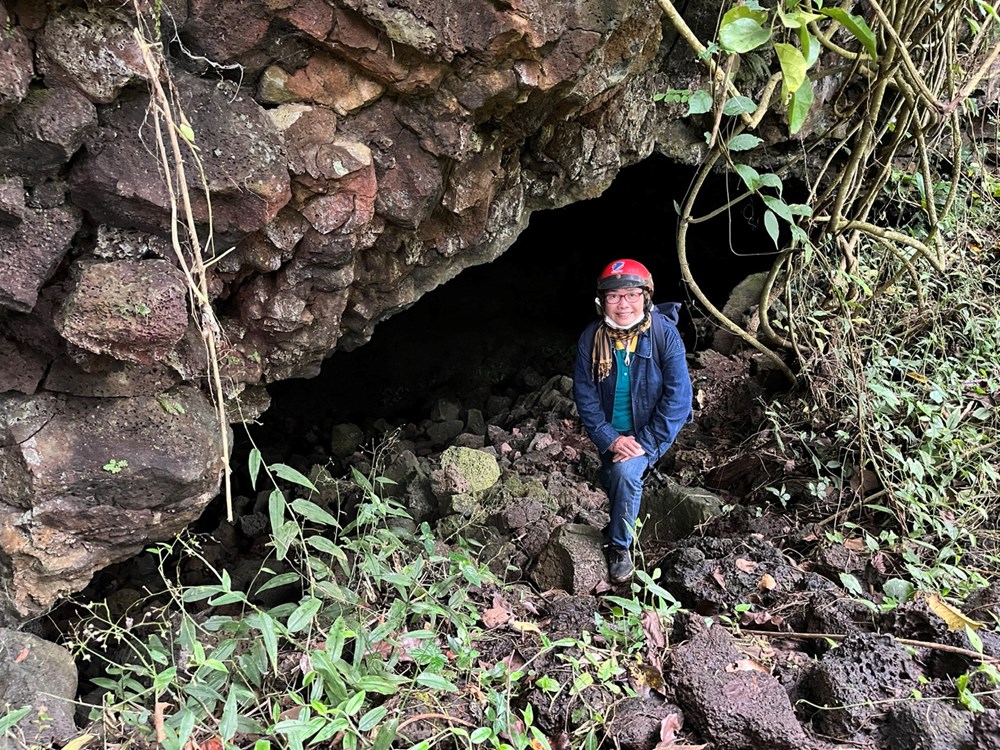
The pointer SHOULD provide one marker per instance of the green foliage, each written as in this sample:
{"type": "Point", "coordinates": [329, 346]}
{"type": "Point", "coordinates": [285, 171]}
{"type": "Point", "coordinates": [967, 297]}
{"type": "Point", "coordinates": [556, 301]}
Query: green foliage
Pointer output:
{"type": "Point", "coordinates": [115, 466]}
{"type": "Point", "coordinates": [374, 618]}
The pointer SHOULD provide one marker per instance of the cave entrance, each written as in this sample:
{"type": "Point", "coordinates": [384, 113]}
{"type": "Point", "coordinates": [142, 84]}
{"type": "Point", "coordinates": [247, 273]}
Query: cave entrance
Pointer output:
{"type": "Point", "coordinates": [511, 323]}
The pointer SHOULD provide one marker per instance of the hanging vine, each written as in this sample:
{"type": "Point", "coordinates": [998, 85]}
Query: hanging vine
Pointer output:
{"type": "Point", "coordinates": [897, 100]}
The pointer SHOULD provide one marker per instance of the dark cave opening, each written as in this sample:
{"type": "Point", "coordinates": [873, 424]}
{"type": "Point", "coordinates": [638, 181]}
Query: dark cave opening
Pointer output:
{"type": "Point", "coordinates": [521, 315]}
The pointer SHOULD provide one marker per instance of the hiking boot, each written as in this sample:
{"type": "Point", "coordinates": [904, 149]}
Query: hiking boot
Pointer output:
{"type": "Point", "coordinates": [620, 568]}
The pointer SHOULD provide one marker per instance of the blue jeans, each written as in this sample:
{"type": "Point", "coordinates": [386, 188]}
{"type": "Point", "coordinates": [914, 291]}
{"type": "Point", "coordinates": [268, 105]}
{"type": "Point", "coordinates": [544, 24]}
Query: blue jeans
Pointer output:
{"type": "Point", "coordinates": [623, 483]}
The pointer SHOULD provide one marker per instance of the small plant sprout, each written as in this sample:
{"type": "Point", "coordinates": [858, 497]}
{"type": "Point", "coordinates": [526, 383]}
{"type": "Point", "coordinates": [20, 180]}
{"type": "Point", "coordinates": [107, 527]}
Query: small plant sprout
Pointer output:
{"type": "Point", "coordinates": [114, 466]}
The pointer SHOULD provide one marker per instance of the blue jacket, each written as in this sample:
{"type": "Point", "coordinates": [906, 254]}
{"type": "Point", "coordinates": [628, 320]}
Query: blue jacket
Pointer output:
{"type": "Point", "coordinates": [661, 387]}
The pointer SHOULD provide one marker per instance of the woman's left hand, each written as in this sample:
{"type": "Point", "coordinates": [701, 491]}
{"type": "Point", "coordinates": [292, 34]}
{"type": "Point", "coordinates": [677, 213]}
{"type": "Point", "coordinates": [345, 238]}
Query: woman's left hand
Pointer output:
{"type": "Point", "coordinates": [626, 447]}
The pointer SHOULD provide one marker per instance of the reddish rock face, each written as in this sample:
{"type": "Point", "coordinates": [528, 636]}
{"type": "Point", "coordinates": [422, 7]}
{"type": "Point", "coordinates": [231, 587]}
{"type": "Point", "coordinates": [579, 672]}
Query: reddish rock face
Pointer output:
{"type": "Point", "coordinates": [351, 156]}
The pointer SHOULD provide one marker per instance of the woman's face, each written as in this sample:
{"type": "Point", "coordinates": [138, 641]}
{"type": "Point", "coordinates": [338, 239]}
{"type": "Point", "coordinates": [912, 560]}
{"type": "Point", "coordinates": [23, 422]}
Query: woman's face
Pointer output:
{"type": "Point", "coordinates": [624, 306]}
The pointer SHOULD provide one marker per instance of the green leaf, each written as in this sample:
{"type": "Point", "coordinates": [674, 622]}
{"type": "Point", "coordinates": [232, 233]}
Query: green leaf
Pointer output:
{"type": "Point", "coordinates": [276, 508]}
{"type": "Point", "coordinates": [750, 176]}
{"type": "Point", "coordinates": [974, 639]}
{"type": "Point", "coordinates": [283, 536]}
{"type": "Point", "coordinates": [799, 106]}
{"type": "Point", "coordinates": [739, 105]}
{"type": "Point", "coordinates": [796, 19]}
{"type": "Point", "coordinates": [355, 703]}
{"type": "Point", "coordinates": [186, 131]}
{"type": "Point", "coordinates": [279, 580]}
{"type": "Point", "coordinates": [315, 513]}
{"type": "Point", "coordinates": [227, 725]}
{"type": "Point", "coordinates": [857, 25]}
{"type": "Point", "coordinates": [303, 615]}
{"type": "Point", "coordinates": [12, 718]}
{"type": "Point", "coordinates": [435, 682]}
{"type": "Point", "coordinates": [800, 209]}
{"type": "Point", "coordinates": [899, 589]}
{"type": "Point", "coordinates": [771, 180]}
{"type": "Point", "coordinates": [230, 597]}
{"type": "Point", "coordinates": [771, 225]}
{"type": "Point", "coordinates": [852, 584]}
{"type": "Point", "coordinates": [810, 46]}
{"type": "Point", "coordinates": [547, 684]}
{"type": "Point", "coordinates": [186, 727]}
{"type": "Point", "coordinates": [293, 475]}
{"type": "Point", "coordinates": [254, 462]}
{"type": "Point", "coordinates": [793, 68]}
{"type": "Point", "coordinates": [372, 719]}
{"type": "Point", "coordinates": [742, 30]}
{"type": "Point", "coordinates": [743, 142]}
{"type": "Point", "coordinates": [699, 103]}
{"type": "Point", "coordinates": [386, 734]}
{"type": "Point", "coordinates": [380, 684]}
{"type": "Point", "coordinates": [480, 735]}
{"type": "Point", "coordinates": [779, 207]}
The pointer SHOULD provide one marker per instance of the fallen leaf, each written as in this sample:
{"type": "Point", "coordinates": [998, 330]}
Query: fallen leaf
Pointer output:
{"type": "Point", "coordinates": [746, 665]}
{"type": "Point", "coordinates": [719, 579]}
{"type": "Point", "coordinates": [23, 655]}
{"type": "Point", "coordinates": [955, 618]}
{"type": "Point", "coordinates": [767, 582]}
{"type": "Point", "coordinates": [747, 566]}
{"type": "Point", "coordinates": [762, 617]}
{"type": "Point", "coordinates": [645, 678]}
{"type": "Point", "coordinates": [669, 727]}
{"type": "Point", "coordinates": [514, 661]}
{"type": "Point", "coordinates": [668, 739]}
{"type": "Point", "coordinates": [855, 544]}
{"type": "Point", "coordinates": [498, 614]}
{"type": "Point", "coordinates": [878, 562]}
{"type": "Point", "coordinates": [525, 627]}
{"type": "Point", "coordinates": [305, 663]}
{"type": "Point", "coordinates": [212, 744]}
{"type": "Point", "coordinates": [651, 627]}
{"type": "Point", "coordinates": [291, 714]}
{"type": "Point", "coordinates": [78, 742]}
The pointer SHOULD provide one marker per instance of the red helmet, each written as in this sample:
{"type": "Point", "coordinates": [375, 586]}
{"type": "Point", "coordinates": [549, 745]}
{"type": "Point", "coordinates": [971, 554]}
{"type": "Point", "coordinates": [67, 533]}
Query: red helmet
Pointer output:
{"type": "Point", "coordinates": [623, 273]}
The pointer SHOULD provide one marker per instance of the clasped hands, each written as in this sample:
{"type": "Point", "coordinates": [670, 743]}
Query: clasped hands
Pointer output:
{"type": "Point", "coordinates": [624, 448]}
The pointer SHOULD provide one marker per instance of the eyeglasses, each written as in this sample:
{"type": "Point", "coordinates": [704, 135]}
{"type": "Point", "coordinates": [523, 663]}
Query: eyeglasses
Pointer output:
{"type": "Point", "coordinates": [612, 297]}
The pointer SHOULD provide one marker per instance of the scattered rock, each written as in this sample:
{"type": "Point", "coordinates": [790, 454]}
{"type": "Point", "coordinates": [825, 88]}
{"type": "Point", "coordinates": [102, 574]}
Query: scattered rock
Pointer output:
{"type": "Point", "coordinates": [671, 511]}
{"type": "Point", "coordinates": [345, 439]}
{"type": "Point", "coordinates": [929, 725]}
{"type": "Point", "coordinates": [572, 560]}
{"type": "Point", "coordinates": [635, 723]}
{"type": "Point", "coordinates": [853, 682]}
{"type": "Point", "coordinates": [729, 698]}
{"type": "Point", "coordinates": [40, 674]}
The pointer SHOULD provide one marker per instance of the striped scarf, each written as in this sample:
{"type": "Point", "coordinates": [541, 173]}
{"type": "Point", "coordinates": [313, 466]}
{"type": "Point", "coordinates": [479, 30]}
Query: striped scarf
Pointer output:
{"type": "Point", "coordinates": [607, 339]}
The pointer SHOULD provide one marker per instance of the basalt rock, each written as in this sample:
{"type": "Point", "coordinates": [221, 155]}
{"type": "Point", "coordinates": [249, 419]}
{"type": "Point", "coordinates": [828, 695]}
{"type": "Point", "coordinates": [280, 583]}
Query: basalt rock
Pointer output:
{"type": "Point", "coordinates": [92, 481]}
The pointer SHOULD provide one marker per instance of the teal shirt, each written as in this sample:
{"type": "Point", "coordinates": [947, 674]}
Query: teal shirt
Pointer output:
{"type": "Point", "coordinates": [621, 416]}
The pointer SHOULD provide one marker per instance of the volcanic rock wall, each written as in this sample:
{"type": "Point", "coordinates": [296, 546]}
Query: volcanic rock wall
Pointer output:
{"type": "Point", "coordinates": [357, 154]}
